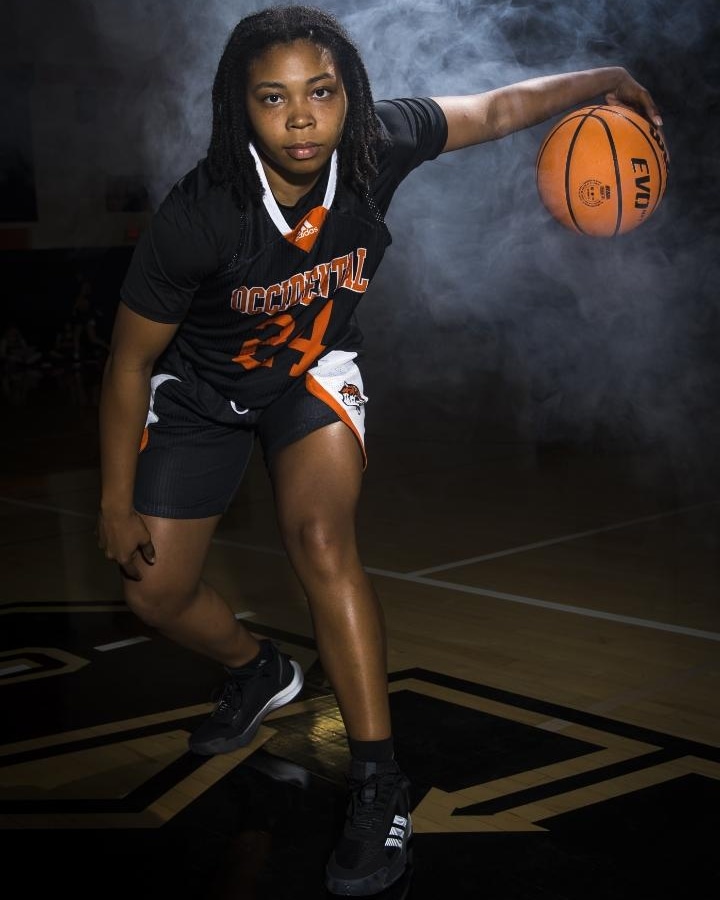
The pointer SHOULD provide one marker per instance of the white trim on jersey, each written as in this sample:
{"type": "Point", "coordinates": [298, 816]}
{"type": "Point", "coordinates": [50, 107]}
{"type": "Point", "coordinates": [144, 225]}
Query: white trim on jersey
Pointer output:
{"type": "Point", "coordinates": [155, 382]}
{"type": "Point", "coordinates": [336, 380]}
{"type": "Point", "coordinates": [270, 202]}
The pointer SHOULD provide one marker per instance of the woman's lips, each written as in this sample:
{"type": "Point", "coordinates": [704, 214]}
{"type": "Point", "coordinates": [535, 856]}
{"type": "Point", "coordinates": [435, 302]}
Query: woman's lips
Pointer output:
{"type": "Point", "coordinates": [303, 151]}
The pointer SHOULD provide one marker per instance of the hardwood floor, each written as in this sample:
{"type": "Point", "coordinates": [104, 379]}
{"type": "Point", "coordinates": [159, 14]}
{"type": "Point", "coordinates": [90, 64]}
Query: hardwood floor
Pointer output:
{"type": "Point", "coordinates": [553, 626]}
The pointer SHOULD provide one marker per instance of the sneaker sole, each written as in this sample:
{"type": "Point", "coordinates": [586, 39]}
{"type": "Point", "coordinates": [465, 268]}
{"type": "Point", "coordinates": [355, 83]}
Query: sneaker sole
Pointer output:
{"type": "Point", "coordinates": [374, 883]}
{"type": "Point", "coordinates": [226, 745]}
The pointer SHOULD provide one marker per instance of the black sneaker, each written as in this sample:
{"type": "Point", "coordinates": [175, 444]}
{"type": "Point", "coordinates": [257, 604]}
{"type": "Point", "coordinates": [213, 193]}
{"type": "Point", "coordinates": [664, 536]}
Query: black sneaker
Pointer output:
{"type": "Point", "coordinates": [244, 703]}
{"type": "Point", "coordinates": [373, 850]}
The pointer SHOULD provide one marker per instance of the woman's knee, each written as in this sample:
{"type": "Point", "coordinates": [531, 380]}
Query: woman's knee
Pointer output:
{"type": "Point", "coordinates": [158, 603]}
{"type": "Point", "coordinates": [324, 544]}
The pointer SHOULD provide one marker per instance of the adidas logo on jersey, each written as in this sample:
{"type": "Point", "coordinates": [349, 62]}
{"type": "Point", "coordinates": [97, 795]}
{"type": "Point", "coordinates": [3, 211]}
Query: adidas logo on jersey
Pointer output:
{"type": "Point", "coordinates": [307, 230]}
{"type": "Point", "coordinates": [305, 234]}
{"type": "Point", "coordinates": [396, 835]}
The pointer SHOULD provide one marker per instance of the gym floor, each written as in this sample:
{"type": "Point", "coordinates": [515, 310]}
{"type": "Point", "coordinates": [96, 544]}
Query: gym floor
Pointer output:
{"type": "Point", "coordinates": [553, 626]}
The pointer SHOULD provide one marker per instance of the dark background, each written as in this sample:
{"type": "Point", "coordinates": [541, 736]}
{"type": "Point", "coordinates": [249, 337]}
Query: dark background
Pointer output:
{"type": "Point", "coordinates": [487, 319]}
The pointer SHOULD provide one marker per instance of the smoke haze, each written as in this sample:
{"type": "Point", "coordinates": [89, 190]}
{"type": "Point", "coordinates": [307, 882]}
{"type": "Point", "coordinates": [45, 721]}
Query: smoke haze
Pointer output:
{"type": "Point", "coordinates": [483, 302]}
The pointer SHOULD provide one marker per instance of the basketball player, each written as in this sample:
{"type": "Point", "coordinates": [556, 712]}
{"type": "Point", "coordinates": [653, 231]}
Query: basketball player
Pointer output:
{"type": "Point", "coordinates": [236, 323]}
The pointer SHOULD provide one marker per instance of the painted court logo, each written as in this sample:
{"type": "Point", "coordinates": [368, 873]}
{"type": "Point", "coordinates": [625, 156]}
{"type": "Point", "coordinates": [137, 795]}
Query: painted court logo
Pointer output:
{"type": "Point", "coordinates": [352, 396]}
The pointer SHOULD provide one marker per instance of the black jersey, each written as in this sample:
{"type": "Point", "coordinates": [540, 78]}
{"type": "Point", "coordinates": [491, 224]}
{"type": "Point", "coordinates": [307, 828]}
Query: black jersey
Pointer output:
{"type": "Point", "coordinates": [262, 293]}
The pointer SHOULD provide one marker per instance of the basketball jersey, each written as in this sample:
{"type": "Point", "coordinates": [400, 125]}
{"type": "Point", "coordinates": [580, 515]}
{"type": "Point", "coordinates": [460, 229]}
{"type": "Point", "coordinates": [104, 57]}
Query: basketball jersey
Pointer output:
{"type": "Point", "coordinates": [262, 293]}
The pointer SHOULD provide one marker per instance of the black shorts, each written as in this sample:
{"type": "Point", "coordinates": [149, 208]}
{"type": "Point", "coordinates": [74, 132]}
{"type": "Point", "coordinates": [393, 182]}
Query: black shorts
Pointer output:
{"type": "Point", "coordinates": [197, 444]}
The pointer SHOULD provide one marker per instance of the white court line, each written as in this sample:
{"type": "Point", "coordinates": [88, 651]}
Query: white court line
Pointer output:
{"type": "Point", "coordinates": [418, 577]}
{"type": "Point", "coordinates": [547, 604]}
{"type": "Point", "coordinates": [128, 642]}
{"type": "Point", "coordinates": [560, 540]}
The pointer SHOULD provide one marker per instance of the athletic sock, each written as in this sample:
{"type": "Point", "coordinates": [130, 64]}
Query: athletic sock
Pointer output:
{"type": "Point", "coordinates": [372, 751]}
{"type": "Point", "coordinates": [264, 655]}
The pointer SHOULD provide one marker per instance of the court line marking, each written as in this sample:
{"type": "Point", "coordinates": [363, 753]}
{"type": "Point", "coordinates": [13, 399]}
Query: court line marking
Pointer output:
{"type": "Point", "coordinates": [418, 576]}
{"type": "Point", "coordinates": [548, 604]}
{"type": "Point", "coordinates": [561, 539]}
{"type": "Point", "coordinates": [116, 645]}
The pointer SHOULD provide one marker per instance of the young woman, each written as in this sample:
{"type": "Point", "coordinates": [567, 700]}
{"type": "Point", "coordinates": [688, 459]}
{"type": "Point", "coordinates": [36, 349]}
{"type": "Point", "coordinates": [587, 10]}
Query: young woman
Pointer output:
{"type": "Point", "coordinates": [237, 322]}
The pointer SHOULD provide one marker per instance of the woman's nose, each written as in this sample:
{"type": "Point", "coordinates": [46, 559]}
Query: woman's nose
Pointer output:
{"type": "Point", "coordinates": [300, 115]}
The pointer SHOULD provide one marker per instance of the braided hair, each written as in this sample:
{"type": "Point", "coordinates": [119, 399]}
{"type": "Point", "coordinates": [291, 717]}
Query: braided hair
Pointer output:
{"type": "Point", "coordinates": [229, 158]}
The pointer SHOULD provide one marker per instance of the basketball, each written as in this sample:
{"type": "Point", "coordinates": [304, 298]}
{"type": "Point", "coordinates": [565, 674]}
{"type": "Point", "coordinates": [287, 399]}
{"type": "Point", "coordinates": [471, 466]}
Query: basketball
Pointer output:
{"type": "Point", "coordinates": [602, 170]}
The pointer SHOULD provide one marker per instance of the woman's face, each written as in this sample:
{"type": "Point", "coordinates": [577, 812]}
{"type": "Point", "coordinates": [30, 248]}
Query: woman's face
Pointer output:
{"type": "Point", "coordinates": [296, 104]}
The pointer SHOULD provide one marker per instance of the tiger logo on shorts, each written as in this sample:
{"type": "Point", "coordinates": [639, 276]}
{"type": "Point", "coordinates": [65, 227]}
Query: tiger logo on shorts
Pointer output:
{"type": "Point", "coordinates": [352, 396]}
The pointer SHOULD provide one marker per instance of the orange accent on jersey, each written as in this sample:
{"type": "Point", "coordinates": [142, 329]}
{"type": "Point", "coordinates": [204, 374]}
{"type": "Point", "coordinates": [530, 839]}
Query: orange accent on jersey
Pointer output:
{"type": "Point", "coordinates": [246, 356]}
{"type": "Point", "coordinates": [144, 439]}
{"type": "Point", "coordinates": [311, 347]}
{"type": "Point", "coordinates": [321, 275]}
{"type": "Point", "coordinates": [359, 283]}
{"type": "Point", "coordinates": [342, 267]}
{"type": "Point", "coordinates": [274, 298]}
{"type": "Point", "coordinates": [304, 287]}
{"type": "Point", "coordinates": [317, 390]}
{"type": "Point", "coordinates": [306, 231]}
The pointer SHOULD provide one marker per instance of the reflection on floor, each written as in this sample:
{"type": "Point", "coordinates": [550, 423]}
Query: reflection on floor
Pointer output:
{"type": "Point", "coordinates": [553, 628]}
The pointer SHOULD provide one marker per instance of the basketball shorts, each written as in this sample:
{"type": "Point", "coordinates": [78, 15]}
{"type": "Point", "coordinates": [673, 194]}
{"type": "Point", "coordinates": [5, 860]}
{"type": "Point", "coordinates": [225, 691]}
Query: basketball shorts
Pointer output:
{"type": "Point", "coordinates": [196, 444]}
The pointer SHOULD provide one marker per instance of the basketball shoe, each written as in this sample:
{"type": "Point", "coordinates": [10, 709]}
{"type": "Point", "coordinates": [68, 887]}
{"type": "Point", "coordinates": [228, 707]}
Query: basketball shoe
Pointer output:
{"type": "Point", "coordinates": [372, 852]}
{"type": "Point", "coordinates": [246, 698]}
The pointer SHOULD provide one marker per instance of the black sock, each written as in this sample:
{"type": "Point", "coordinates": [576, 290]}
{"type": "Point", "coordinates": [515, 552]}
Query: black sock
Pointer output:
{"type": "Point", "coordinates": [264, 654]}
{"type": "Point", "coordinates": [372, 751]}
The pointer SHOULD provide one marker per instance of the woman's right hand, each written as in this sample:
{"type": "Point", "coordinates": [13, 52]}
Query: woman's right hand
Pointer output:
{"type": "Point", "coordinates": [122, 537]}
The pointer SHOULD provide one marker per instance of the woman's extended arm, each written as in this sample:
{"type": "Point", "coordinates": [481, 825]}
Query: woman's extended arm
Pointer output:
{"type": "Point", "coordinates": [476, 118]}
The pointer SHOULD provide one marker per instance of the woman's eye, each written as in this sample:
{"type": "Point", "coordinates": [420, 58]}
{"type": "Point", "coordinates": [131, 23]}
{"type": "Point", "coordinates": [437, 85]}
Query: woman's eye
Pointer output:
{"type": "Point", "coordinates": [322, 92]}
{"type": "Point", "coordinates": [272, 99]}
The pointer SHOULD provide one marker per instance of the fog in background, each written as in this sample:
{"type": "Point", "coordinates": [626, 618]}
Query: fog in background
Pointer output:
{"type": "Point", "coordinates": [486, 316]}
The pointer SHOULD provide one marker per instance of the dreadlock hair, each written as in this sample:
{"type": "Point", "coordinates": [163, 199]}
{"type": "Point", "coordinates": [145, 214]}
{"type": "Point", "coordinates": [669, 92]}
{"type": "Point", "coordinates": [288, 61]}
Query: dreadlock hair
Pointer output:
{"type": "Point", "coordinates": [229, 158]}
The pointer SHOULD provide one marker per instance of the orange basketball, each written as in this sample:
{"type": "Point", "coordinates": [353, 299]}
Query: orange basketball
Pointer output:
{"type": "Point", "coordinates": [602, 170]}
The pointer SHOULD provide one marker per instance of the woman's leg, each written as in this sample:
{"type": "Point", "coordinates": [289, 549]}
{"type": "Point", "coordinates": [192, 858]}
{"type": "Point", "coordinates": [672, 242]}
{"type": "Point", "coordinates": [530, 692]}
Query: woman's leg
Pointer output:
{"type": "Point", "coordinates": [317, 486]}
{"type": "Point", "coordinates": [173, 598]}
